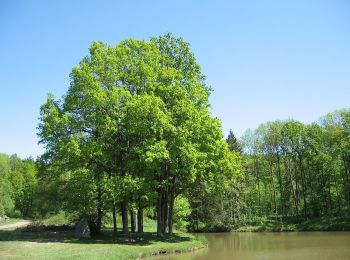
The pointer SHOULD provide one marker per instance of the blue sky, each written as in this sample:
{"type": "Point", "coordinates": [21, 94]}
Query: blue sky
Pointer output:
{"type": "Point", "coordinates": [265, 60]}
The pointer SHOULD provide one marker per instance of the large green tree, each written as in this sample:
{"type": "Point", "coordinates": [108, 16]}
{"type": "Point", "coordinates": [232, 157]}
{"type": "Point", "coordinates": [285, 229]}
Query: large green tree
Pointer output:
{"type": "Point", "coordinates": [134, 129]}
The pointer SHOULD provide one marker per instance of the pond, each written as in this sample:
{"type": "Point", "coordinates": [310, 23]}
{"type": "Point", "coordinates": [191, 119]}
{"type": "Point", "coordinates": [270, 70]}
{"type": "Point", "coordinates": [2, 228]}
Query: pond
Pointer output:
{"type": "Point", "coordinates": [272, 246]}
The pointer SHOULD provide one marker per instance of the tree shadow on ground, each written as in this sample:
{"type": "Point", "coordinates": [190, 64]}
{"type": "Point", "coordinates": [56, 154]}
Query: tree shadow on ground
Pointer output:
{"type": "Point", "coordinates": [147, 238]}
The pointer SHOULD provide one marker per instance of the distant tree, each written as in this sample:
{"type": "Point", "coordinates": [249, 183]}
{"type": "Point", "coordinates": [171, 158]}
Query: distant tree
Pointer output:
{"type": "Point", "coordinates": [297, 171]}
{"type": "Point", "coordinates": [233, 142]}
{"type": "Point", "coordinates": [18, 182]}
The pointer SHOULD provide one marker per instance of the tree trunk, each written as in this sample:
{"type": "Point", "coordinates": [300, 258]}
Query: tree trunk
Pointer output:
{"type": "Point", "coordinates": [304, 185]}
{"type": "Point", "coordinates": [136, 221]}
{"type": "Point", "coordinates": [165, 211]}
{"type": "Point", "coordinates": [132, 221]}
{"type": "Point", "coordinates": [280, 184]}
{"type": "Point", "coordinates": [296, 188]}
{"type": "Point", "coordinates": [346, 179]}
{"type": "Point", "coordinates": [140, 220]}
{"type": "Point", "coordinates": [171, 208]}
{"type": "Point", "coordinates": [330, 195]}
{"type": "Point", "coordinates": [159, 215]}
{"type": "Point", "coordinates": [259, 193]}
{"type": "Point", "coordinates": [99, 211]}
{"type": "Point", "coordinates": [274, 190]}
{"type": "Point", "coordinates": [295, 196]}
{"type": "Point", "coordinates": [114, 221]}
{"type": "Point", "coordinates": [124, 209]}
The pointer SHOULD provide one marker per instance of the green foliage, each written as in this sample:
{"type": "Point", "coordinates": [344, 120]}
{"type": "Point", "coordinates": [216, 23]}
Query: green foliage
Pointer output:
{"type": "Point", "coordinates": [6, 198]}
{"type": "Point", "coordinates": [182, 211]}
{"type": "Point", "coordinates": [2, 209]}
{"type": "Point", "coordinates": [17, 185]}
{"type": "Point", "coordinates": [133, 131]}
{"type": "Point", "coordinates": [296, 171]}
{"type": "Point", "coordinates": [61, 218]}
{"type": "Point", "coordinates": [233, 142]}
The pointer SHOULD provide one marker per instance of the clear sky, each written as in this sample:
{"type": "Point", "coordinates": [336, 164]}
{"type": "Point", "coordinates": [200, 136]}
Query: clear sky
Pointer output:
{"type": "Point", "coordinates": [265, 60]}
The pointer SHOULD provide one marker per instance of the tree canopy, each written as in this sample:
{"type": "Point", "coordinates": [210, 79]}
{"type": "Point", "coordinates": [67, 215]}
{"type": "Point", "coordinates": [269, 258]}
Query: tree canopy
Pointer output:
{"type": "Point", "coordinates": [134, 130]}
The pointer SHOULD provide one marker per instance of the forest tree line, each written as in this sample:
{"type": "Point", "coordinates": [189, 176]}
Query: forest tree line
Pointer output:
{"type": "Point", "coordinates": [297, 171]}
{"type": "Point", "coordinates": [285, 170]}
{"type": "Point", "coordinates": [18, 181]}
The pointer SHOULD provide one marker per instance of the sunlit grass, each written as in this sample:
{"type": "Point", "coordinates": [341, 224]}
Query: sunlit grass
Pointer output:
{"type": "Point", "coordinates": [319, 224]}
{"type": "Point", "coordinates": [59, 245]}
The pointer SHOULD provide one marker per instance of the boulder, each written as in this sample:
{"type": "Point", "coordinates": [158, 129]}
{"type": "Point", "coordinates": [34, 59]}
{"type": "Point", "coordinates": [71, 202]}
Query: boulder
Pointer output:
{"type": "Point", "coordinates": [82, 229]}
{"type": "Point", "coordinates": [4, 218]}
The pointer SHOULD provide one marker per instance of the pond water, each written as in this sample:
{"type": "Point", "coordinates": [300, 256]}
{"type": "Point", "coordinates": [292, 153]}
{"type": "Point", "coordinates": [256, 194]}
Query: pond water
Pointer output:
{"type": "Point", "coordinates": [272, 246]}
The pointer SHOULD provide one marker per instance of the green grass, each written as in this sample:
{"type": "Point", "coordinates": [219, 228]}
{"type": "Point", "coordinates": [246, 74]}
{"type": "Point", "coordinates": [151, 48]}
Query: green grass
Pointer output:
{"type": "Point", "coordinates": [320, 224]}
{"type": "Point", "coordinates": [11, 221]}
{"type": "Point", "coordinates": [63, 245]}
{"type": "Point", "coordinates": [61, 218]}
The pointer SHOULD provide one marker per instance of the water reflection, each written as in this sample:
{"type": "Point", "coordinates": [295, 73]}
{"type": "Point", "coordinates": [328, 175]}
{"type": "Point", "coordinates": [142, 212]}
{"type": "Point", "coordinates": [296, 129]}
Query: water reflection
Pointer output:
{"type": "Point", "coordinates": [272, 246]}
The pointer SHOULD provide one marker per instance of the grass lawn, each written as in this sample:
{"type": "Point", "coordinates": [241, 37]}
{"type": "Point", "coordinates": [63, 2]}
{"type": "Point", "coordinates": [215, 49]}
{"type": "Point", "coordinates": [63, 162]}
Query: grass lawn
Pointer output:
{"type": "Point", "coordinates": [11, 221]}
{"type": "Point", "coordinates": [320, 224]}
{"type": "Point", "coordinates": [60, 245]}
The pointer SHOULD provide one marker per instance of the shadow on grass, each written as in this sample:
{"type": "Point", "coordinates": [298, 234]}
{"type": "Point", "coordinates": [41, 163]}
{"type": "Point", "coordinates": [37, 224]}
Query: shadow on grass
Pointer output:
{"type": "Point", "coordinates": [106, 237]}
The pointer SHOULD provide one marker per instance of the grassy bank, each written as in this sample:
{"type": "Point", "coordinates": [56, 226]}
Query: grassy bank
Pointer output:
{"type": "Point", "coordinates": [321, 224]}
{"type": "Point", "coordinates": [60, 245]}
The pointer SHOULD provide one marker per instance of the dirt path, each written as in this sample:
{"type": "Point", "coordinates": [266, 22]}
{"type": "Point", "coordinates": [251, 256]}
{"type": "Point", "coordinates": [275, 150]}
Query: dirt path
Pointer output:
{"type": "Point", "coordinates": [21, 223]}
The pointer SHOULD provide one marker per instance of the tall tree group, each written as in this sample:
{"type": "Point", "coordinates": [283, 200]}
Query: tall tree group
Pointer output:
{"type": "Point", "coordinates": [298, 171]}
{"type": "Point", "coordinates": [133, 131]}
{"type": "Point", "coordinates": [17, 185]}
